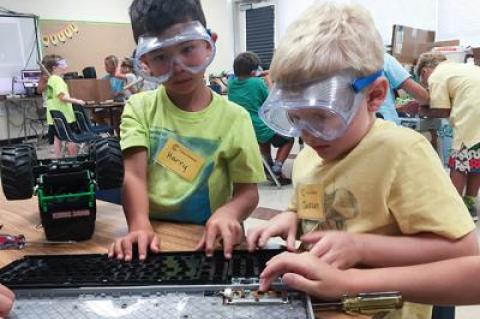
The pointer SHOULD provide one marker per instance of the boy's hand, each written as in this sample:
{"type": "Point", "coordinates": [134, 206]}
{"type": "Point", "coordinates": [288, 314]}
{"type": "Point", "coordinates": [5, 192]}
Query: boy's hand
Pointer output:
{"type": "Point", "coordinates": [221, 224]}
{"type": "Point", "coordinates": [339, 249]}
{"type": "Point", "coordinates": [284, 225]}
{"type": "Point", "coordinates": [307, 273]}
{"type": "Point", "coordinates": [145, 238]}
{"type": "Point", "coordinates": [6, 301]}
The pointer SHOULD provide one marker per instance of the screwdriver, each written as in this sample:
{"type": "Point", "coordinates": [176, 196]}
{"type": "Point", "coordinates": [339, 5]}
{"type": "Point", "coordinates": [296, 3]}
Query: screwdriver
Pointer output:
{"type": "Point", "coordinates": [365, 303]}
{"type": "Point", "coordinates": [19, 242]}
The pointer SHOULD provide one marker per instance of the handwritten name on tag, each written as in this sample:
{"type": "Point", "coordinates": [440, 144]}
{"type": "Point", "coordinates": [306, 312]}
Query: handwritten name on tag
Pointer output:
{"type": "Point", "coordinates": [180, 160]}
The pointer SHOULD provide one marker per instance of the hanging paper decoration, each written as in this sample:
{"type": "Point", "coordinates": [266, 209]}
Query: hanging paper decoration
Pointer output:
{"type": "Point", "coordinates": [61, 36]}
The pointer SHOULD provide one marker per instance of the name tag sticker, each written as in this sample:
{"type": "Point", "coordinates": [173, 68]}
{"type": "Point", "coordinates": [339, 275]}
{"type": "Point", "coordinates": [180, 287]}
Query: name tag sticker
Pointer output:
{"type": "Point", "coordinates": [310, 202]}
{"type": "Point", "coordinates": [180, 160]}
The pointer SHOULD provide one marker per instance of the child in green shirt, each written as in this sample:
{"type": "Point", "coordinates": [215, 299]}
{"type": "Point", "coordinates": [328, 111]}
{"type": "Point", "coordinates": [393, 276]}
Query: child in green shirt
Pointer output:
{"type": "Point", "coordinates": [58, 99]}
{"type": "Point", "coordinates": [189, 154]}
{"type": "Point", "coordinates": [250, 91]}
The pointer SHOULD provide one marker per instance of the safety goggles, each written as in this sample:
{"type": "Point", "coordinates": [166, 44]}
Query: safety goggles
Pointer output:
{"type": "Point", "coordinates": [188, 45]}
{"type": "Point", "coordinates": [324, 108]}
{"type": "Point", "coordinates": [61, 64]}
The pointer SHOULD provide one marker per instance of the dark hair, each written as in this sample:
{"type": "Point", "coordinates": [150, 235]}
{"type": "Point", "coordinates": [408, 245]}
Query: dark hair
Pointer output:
{"type": "Point", "coordinates": [51, 60]}
{"type": "Point", "coordinates": [155, 16]}
{"type": "Point", "coordinates": [245, 63]}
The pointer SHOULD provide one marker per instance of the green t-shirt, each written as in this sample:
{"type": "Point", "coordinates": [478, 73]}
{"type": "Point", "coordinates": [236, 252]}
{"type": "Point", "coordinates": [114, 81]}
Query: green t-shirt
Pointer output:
{"type": "Point", "coordinates": [221, 134]}
{"type": "Point", "coordinates": [56, 86]}
{"type": "Point", "coordinates": [251, 93]}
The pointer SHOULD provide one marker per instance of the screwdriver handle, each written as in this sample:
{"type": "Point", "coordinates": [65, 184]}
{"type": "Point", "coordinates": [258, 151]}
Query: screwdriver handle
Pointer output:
{"type": "Point", "coordinates": [12, 241]}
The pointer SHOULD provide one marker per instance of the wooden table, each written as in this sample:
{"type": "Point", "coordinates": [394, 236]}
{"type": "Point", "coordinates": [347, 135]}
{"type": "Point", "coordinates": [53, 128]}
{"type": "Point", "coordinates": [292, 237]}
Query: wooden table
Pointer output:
{"type": "Point", "coordinates": [22, 217]}
{"type": "Point", "coordinates": [110, 107]}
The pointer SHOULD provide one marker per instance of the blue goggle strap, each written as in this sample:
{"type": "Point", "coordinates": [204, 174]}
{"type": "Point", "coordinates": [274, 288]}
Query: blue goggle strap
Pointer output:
{"type": "Point", "coordinates": [361, 83]}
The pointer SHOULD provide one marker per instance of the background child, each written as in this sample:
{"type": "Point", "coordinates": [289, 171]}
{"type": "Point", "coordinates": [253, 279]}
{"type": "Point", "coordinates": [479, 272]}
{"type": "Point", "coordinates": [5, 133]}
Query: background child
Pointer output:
{"type": "Point", "coordinates": [58, 99]}
{"type": "Point", "coordinates": [250, 91]}
{"type": "Point", "coordinates": [363, 187]}
{"type": "Point", "coordinates": [112, 67]}
{"type": "Point", "coordinates": [131, 81]}
{"type": "Point", "coordinates": [398, 78]}
{"type": "Point", "coordinates": [455, 93]}
{"type": "Point", "coordinates": [189, 154]}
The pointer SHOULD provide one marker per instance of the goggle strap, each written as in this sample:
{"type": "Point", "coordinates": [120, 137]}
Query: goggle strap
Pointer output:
{"type": "Point", "coordinates": [361, 83]}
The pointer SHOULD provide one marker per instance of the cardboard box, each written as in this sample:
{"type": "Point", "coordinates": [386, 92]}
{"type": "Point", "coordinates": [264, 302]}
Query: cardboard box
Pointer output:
{"type": "Point", "coordinates": [90, 90]}
{"type": "Point", "coordinates": [476, 56]}
{"type": "Point", "coordinates": [407, 41]}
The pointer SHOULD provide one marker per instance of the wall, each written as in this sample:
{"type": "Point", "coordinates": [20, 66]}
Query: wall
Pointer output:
{"type": "Point", "coordinates": [219, 19]}
{"type": "Point", "coordinates": [77, 10]}
{"type": "Point", "coordinates": [459, 19]}
{"type": "Point", "coordinates": [218, 14]}
{"type": "Point", "coordinates": [93, 42]}
{"type": "Point", "coordinates": [414, 13]}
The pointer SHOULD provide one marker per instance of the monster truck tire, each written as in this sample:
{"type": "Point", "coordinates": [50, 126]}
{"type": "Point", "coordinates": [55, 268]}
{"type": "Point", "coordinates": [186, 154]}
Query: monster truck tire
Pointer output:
{"type": "Point", "coordinates": [108, 162]}
{"type": "Point", "coordinates": [16, 165]}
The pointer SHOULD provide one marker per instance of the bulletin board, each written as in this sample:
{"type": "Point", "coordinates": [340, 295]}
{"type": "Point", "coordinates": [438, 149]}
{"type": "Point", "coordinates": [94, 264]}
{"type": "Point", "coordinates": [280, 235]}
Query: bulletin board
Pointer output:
{"type": "Point", "coordinates": [89, 43]}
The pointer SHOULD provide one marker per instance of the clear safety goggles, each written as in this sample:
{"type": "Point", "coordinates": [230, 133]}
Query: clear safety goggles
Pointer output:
{"type": "Point", "coordinates": [188, 45]}
{"type": "Point", "coordinates": [61, 64]}
{"type": "Point", "coordinates": [324, 108]}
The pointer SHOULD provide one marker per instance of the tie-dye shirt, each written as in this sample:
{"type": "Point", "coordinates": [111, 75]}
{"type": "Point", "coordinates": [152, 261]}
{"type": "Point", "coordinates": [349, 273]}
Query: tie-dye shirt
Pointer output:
{"type": "Point", "coordinates": [222, 134]}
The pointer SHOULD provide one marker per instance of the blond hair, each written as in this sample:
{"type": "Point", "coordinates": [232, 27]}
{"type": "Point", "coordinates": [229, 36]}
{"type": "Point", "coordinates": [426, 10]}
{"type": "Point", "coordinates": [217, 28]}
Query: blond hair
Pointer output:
{"type": "Point", "coordinates": [328, 38]}
{"type": "Point", "coordinates": [429, 60]}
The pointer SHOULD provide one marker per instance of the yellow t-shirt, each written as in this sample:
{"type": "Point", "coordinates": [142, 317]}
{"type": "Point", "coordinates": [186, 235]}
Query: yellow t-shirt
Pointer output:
{"type": "Point", "coordinates": [456, 86]}
{"type": "Point", "coordinates": [391, 183]}
{"type": "Point", "coordinates": [221, 135]}
{"type": "Point", "coordinates": [56, 86]}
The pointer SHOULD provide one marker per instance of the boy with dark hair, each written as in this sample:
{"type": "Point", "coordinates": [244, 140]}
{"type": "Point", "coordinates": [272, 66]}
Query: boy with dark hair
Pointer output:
{"type": "Point", "coordinates": [189, 154]}
{"type": "Point", "coordinates": [250, 91]}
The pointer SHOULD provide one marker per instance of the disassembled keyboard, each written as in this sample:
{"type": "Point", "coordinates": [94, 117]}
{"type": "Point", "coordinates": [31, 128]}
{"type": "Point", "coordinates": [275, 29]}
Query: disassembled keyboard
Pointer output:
{"type": "Point", "coordinates": [185, 285]}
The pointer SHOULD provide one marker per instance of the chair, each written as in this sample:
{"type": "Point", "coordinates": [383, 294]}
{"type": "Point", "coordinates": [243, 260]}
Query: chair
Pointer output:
{"type": "Point", "coordinates": [89, 72]}
{"type": "Point", "coordinates": [86, 125]}
{"type": "Point", "coordinates": [271, 173]}
{"type": "Point", "coordinates": [65, 132]}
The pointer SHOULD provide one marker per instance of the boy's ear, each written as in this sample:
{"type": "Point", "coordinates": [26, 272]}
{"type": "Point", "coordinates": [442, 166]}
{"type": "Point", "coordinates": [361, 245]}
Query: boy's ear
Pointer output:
{"type": "Point", "coordinates": [214, 37]}
{"type": "Point", "coordinates": [376, 94]}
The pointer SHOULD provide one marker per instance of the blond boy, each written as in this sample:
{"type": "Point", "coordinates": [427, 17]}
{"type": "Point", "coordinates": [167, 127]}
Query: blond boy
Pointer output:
{"type": "Point", "coordinates": [368, 192]}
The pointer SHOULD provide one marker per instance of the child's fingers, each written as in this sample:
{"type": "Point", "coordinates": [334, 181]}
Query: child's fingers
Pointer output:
{"type": "Point", "coordinates": [227, 241]}
{"type": "Point", "coordinates": [126, 248]}
{"type": "Point", "coordinates": [312, 238]}
{"type": "Point", "coordinates": [6, 292]}
{"type": "Point", "coordinates": [142, 242]}
{"type": "Point", "coordinates": [111, 250]}
{"type": "Point", "coordinates": [201, 243]}
{"type": "Point", "coordinates": [6, 304]}
{"type": "Point", "coordinates": [266, 235]}
{"type": "Point", "coordinates": [252, 238]}
{"type": "Point", "coordinates": [210, 237]}
{"type": "Point", "coordinates": [118, 249]}
{"type": "Point", "coordinates": [155, 244]}
{"type": "Point", "coordinates": [300, 283]}
{"type": "Point", "coordinates": [291, 240]}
